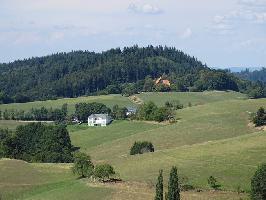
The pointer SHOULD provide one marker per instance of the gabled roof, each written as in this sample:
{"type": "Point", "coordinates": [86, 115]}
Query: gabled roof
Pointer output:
{"type": "Point", "coordinates": [162, 81]}
{"type": "Point", "coordinates": [103, 116]}
{"type": "Point", "coordinates": [131, 109]}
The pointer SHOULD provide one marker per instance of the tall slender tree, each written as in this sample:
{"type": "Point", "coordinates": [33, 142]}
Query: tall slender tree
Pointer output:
{"type": "Point", "coordinates": [159, 187]}
{"type": "Point", "coordinates": [173, 185]}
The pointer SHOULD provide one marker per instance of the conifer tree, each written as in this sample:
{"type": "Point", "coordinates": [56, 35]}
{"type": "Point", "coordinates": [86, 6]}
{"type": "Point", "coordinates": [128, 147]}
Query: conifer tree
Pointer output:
{"type": "Point", "coordinates": [159, 187]}
{"type": "Point", "coordinates": [173, 186]}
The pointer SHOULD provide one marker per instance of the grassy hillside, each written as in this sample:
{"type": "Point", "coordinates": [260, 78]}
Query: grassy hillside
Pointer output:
{"type": "Point", "coordinates": [21, 180]}
{"type": "Point", "coordinates": [212, 138]}
{"type": "Point", "coordinates": [109, 100]}
{"type": "Point", "coordinates": [195, 98]}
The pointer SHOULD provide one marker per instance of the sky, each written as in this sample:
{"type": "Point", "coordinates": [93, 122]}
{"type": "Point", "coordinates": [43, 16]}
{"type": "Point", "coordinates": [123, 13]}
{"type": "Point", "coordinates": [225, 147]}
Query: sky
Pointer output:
{"type": "Point", "coordinates": [220, 33]}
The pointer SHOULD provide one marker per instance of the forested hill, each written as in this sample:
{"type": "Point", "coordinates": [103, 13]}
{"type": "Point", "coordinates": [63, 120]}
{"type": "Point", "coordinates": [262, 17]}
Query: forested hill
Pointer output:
{"type": "Point", "coordinates": [257, 75]}
{"type": "Point", "coordinates": [129, 70]}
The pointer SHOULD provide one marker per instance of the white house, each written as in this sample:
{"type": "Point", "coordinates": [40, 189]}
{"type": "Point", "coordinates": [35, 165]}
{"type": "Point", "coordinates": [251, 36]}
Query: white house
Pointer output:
{"type": "Point", "coordinates": [99, 120]}
{"type": "Point", "coordinates": [131, 111]}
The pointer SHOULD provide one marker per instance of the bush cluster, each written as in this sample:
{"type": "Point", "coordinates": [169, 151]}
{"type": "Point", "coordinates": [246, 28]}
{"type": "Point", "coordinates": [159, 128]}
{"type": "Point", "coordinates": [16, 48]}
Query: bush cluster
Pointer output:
{"type": "Point", "coordinates": [150, 112]}
{"type": "Point", "coordinates": [84, 167]}
{"type": "Point", "coordinates": [141, 147]}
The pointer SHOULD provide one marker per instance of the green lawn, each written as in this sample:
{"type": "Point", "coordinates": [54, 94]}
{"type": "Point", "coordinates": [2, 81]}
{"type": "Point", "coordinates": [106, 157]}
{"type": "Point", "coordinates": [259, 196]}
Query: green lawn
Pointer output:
{"type": "Point", "coordinates": [109, 100]}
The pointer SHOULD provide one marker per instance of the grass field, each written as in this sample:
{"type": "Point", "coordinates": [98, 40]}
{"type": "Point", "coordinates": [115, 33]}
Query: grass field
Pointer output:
{"type": "Point", "coordinates": [195, 98]}
{"type": "Point", "coordinates": [109, 100]}
{"type": "Point", "coordinates": [21, 180]}
{"type": "Point", "coordinates": [213, 137]}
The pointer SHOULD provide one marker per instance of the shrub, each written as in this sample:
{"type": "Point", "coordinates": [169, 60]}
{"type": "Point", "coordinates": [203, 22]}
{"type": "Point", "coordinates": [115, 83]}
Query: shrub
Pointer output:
{"type": "Point", "coordinates": [104, 171]}
{"type": "Point", "coordinates": [260, 118]}
{"type": "Point", "coordinates": [213, 183]}
{"type": "Point", "coordinates": [258, 184]}
{"type": "Point", "coordinates": [141, 147]}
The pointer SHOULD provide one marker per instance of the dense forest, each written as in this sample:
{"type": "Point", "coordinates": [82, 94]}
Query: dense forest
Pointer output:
{"type": "Point", "coordinates": [125, 71]}
{"type": "Point", "coordinates": [257, 75]}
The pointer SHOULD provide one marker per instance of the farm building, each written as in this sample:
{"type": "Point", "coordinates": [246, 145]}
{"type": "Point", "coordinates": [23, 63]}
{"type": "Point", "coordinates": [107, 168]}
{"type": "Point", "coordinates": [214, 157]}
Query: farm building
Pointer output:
{"type": "Point", "coordinates": [99, 120]}
{"type": "Point", "coordinates": [131, 111]}
{"type": "Point", "coordinates": [162, 81]}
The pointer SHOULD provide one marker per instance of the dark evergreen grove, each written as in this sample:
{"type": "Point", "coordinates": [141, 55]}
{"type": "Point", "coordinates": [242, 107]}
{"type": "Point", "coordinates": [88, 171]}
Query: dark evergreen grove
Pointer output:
{"type": "Point", "coordinates": [37, 142]}
{"type": "Point", "coordinates": [126, 71]}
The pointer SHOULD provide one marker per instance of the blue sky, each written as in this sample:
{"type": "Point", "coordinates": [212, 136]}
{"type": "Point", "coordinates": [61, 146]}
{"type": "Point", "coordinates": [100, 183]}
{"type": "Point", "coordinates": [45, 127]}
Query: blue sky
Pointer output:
{"type": "Point", "coordinates": [221, 33]}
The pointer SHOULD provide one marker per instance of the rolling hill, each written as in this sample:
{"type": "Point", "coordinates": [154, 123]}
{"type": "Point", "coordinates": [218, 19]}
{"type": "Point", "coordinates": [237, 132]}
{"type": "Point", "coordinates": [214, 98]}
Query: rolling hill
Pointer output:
{"type": "Point", "coordinates": [213, 137]}
{"type": "Point", "coordinates": [116, 71]}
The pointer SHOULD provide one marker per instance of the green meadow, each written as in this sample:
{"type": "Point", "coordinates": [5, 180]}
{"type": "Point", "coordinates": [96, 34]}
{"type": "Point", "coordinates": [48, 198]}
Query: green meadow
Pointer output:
{"type": "Point", "coordinates": [109, 100]}
{"type": "Point", "coordinates": [212, 138]}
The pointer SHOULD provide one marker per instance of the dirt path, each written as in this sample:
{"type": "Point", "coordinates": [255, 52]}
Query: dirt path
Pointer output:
{"type": "Point", "coordinates": [135, 99]}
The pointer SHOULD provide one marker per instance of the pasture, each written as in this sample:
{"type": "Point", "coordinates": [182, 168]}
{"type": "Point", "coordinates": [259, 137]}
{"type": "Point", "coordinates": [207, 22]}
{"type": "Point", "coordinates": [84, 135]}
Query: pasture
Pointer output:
{"type": "Point", "coordinates": [211, 138]}
{"type": "Point", "coordinates": [109, 100]}
{"type": "Point", "coordinates": [195, 98]}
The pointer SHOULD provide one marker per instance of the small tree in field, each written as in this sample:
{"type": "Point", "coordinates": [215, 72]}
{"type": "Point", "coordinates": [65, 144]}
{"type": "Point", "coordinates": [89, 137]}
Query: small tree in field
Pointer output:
{"type": "Point", "coordinates": [213, 183]}
{"type": "Point", "coordinates": [83, 165]}
{"type": "Point", "coordinates": [173, 186]}
{"type": "Point", "coordinates": [159, 187]}
{"type": "Point", "coordinates": [258, 184]}
{"type": "Point", "coordinates": [104, 171]}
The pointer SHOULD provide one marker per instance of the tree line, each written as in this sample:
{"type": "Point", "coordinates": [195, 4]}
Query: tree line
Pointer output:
{"type": "Point", "coordinates": [125, 71]}
{"type": "Point", "coordinates": [148, 111]}
{"type": "Point", "coordinates": [257, 75]}
{"type": "Point", "coordinates": [36, 114]}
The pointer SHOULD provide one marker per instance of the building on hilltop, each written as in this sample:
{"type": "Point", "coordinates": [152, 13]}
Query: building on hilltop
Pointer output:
{"type": "Point", "coordinates": [99, 120]}
{"type": "Point", "coordinates": [162, 81]}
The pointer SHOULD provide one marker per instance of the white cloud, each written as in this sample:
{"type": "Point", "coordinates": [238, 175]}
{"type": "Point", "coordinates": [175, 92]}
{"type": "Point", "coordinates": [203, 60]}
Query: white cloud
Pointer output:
{"type": "Point", "coordinates": [246, 13]}
{"type": "Point", "coordinates": [186, 34]}
{"type": "Point", "coordinates": [145, 9]}
{"type": "Point", "coordinates": [253, 3]}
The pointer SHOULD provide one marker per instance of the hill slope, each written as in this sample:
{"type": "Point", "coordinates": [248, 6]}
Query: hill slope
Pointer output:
{"type": "Point", "coordinates": [81, 72]}
{"type": "Point", "coordinates": [213, 137]}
